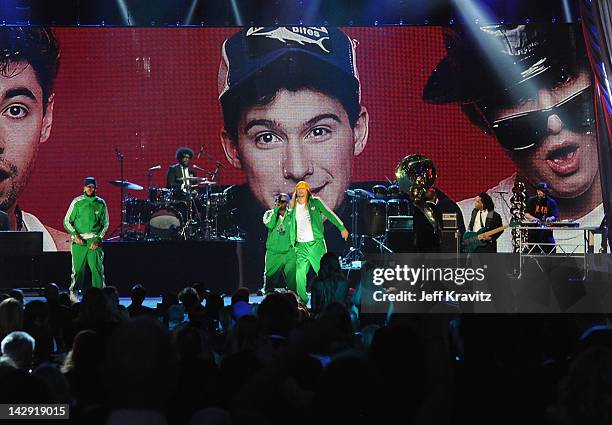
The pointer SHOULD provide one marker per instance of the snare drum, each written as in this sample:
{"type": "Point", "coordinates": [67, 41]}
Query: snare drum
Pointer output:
{"type": "Point", "coordinates": [137, 211]}
{"type": "Point", "coordinates": [159, 195]}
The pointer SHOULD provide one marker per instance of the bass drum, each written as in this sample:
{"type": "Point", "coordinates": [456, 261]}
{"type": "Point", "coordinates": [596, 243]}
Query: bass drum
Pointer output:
{"type": "Point", "coordinates": [165, 224]}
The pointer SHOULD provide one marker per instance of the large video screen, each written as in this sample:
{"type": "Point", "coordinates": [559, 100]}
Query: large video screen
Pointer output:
{"type": "Point", "coordinates": [342, 111]}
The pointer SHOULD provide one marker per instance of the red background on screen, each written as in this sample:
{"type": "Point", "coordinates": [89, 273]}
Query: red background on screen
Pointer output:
{"type": "Point", "coordinates": [148, 91]}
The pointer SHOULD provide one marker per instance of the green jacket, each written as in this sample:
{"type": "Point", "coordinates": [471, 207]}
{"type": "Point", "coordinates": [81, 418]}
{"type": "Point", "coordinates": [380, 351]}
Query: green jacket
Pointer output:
{"type": "Point", "coordinates": [278, 231]}
{"type": "Point", "coordinates": [87, 217]}
{"type": "Point", "coordinates": [318, 210]}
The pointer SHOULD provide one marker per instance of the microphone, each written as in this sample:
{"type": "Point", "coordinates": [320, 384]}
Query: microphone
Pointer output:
{"type": "Point", "coordinates": [501, 191]}
{"type": "Point", "coordinates": [118, 154]}
{"type": "Point", "coordinates": [155, 167]}
{"type": "Point", "coordinates": [198, 168]}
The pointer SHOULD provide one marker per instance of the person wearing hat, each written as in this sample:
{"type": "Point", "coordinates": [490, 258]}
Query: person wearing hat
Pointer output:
{"type": "Point", "coordinates": [87, 222]}
{"type": "Point", "coordinates": [280, 255]}
{"type": "Point", "coordinates": [542, 209]}
{"type": "Point", "coordinates": [307, 234]}
{"type": "Point", "coordinates": [530, 87]}
{"type": "Point", "coordinates": [291, 103]}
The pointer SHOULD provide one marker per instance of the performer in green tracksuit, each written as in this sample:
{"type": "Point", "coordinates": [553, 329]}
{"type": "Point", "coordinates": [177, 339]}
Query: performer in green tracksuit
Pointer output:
{"type": "Point", "coordinates": [87, 222]}
{"type": "Point", "coordinates": [280, 255]}
{"type": "Point", "coordinates": [307, 233]}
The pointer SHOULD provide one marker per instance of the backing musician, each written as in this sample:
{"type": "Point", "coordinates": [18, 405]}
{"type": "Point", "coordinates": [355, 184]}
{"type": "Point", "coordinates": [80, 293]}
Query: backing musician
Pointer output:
{"type": "Point", "coordinates": [544, 210]}
{"type": "Point", "coordinates": [485, 216]}
{"type": "Point", "coordinates": [177, 176]}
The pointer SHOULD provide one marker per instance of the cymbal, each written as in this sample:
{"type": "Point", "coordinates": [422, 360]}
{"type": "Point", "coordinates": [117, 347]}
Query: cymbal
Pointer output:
{"type": "Point", "coordinates": [126, 184]}
{"type": "Point", "coordinates": [206, 183]}
{"type": "Point", "coordinates": [188, 178]}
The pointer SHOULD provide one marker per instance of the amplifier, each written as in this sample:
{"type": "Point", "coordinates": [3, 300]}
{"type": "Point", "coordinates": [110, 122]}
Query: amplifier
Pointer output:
{"type": "Point", "coordinates": [449, 221]}
{"type": "Point", "coordinates": [399, 222]}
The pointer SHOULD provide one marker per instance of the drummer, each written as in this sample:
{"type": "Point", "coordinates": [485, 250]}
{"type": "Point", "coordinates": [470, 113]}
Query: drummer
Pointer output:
{"type": "Point", "coordinates": [178, 174]}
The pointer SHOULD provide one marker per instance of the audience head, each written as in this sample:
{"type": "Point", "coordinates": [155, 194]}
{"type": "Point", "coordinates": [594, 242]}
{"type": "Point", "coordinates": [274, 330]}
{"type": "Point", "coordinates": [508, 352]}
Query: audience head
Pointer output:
{"type": "Point", "coordinates": [112, 294]}
{"type": "Point", "coordinates": [52, 293]}
{"type": "Point", "coordinates": [241, 294]}
{"type": "Point", "coordinates": [64, 299]}
{"type": "Point", "coordinates": [17, 294]}
{"type": "Point", "coordinates": [19, 347]}
{"type": "Point", "coordinates": [189, 298]}
{"type": "Point", "coordinates": [200, 289]}
{"type": "Point", "coordinates": [141, 365]}
{"type": "Point", "coordinates": [35, 313]}
{"type": "Point", "coordinates": [138, 294]}
{"type": "Point", "coordinates": [211, 416]}
{"type": "Point", "coordinates": [86, 353]}
{"type": "Point", "coordinates": [276, 315]}
{"type": "Point", "coordinates": [94, 307]}
{"type": "Point", "coordinates": [11, 316]}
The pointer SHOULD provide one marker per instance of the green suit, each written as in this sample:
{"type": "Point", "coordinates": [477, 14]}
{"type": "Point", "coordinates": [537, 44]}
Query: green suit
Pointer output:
{"type": "Point", "coordinates": [309, 253]}
{"type": "Point", "coordinates": [87, 217]}
{"type": "Point", "coordinates": [280, 255]}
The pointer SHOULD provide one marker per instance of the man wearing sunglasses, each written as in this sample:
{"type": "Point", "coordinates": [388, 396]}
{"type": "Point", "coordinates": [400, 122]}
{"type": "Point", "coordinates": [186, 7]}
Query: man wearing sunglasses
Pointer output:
{"type": "Point", "coordinates": [529, 86]}
{"type": "Point", "coordinates": [280, 255]}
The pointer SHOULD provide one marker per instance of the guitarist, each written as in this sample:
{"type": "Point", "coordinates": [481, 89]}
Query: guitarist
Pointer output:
{"type": "Point", "coordinates": [484, 215]}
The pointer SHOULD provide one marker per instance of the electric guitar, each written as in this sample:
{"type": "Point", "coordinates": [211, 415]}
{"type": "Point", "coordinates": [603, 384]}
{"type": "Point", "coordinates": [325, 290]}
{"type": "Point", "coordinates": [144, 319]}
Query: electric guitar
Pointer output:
{"type": "Point", "coordinates": [473, 240]}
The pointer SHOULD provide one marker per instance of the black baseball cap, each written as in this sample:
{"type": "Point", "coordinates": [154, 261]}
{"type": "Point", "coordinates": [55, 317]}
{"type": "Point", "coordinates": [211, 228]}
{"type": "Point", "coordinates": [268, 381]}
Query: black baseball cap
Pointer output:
{"type": "Point", "coordinates": [254, 49]}
{"type": "Point", "coordinates": [543, 186]}
{"type": "Point", "coordinates": [88, 181]}
{"type": "Point", "coordinates": [484, 61]}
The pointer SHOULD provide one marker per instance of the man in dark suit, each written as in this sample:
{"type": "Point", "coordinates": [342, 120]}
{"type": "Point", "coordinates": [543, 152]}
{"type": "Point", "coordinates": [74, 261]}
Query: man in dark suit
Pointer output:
{"type": "Point", "coordinates": [176, 178]}
{"type": "Point", "coordinates": [484, 216]}
{"type": "Point", "coordinates": [4, 221]}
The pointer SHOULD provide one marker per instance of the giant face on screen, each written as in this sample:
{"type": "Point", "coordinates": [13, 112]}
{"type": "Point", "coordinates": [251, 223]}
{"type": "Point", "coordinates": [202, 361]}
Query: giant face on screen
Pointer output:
{"type": "Point", "coordinates": [335, 107]}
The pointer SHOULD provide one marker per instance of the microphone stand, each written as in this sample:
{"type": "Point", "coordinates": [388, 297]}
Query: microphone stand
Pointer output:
{"type": "Point", "coordinates": [119, 156]}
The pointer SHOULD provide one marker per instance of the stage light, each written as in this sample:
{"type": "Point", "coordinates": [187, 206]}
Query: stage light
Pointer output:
{"type": "Point", "coordinates": [192, 7]}
{"type": "Point", "coordinates": [236, 13]}
{"type": "Point", "coordinates": [567, 13]}
{"type": "Point", "coordinates": [124, 12]}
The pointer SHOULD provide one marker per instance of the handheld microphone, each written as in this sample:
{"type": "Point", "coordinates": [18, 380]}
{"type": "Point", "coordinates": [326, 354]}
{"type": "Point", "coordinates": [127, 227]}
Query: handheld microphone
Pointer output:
{"type": "Point", "coordinates": [155, 167]}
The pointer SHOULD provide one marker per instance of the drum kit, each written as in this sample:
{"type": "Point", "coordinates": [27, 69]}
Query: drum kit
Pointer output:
{"type": "Point", "coordinates": [370, 214]}
{"type": "Point", "coordinates": [195, 212]}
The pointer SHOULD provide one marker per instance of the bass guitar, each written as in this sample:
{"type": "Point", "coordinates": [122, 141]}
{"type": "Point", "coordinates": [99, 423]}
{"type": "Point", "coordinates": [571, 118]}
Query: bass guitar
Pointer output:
{"type": "Point", "coordinates": [473, 240]}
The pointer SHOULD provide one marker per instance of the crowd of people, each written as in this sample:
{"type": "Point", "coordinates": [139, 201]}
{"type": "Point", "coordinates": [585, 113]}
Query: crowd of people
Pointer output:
{"type": "Point", "coordinates": [194, 360]}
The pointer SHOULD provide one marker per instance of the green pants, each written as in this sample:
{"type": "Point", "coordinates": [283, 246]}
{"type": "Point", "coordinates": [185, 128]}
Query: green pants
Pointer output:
{"type": "Point", "coordinates": [81, 257]}
{"type": "Point", "coordinates": [277, 265]}
{"type": "Point", "coordinates": [307, 254]}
